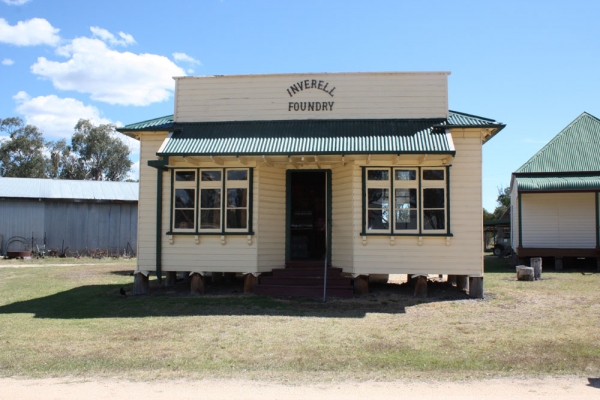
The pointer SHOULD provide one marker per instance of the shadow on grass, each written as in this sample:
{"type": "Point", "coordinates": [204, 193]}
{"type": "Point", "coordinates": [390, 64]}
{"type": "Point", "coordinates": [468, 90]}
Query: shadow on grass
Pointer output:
{"type": "Point", "coordinates": [104, 301]}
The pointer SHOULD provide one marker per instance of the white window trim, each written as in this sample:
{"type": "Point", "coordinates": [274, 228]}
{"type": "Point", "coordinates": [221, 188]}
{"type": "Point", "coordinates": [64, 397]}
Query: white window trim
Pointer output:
{"type": "Point", "coordinates": [237, 184]}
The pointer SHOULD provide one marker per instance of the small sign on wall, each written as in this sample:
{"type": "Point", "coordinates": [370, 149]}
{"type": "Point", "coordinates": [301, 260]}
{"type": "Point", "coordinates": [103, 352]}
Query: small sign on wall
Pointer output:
{"type": "Point", "coordinates": [315, 106]}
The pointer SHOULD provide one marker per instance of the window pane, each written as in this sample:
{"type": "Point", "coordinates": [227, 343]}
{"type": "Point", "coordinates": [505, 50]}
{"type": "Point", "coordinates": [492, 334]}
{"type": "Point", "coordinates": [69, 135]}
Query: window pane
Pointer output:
{"type": "Point", "coordinates": [406, 198]}
{"type": "Point", "coordinates": [236, 219]}
{"type": "Point", "coordinates": [379, 198]}
{"type": "Point", "coordinates": [211, 175]}
{"type": "Point", "coordinates": [210, 198]}
{"type": "Point", "coordinates": [433, 198]}
{"type": "Point", "coordinates": [210, 219]}
{"type": "Point", "coordinates": [184, 198]}
{"type": "Point", "coordinates": [378, 174]}
{"type": "Point", "coordinates": [434, 219]}
{"type": "Point", "coordinates": [433, 174]}
{"type": "Point", "coordinates": [237, 175]}
{"type": "Point", "coordinates": [237, 198]}
{"type": "Point", "coordinates": [378, 219]}
{"type": "Point", "coordinates": [186, 176]}
{"type": "Point", "coordinates": [406, 219]}
{"type": "Point", "coordinates": [406, 175]}
{"type": "Point", "coordinates": [184, 219]}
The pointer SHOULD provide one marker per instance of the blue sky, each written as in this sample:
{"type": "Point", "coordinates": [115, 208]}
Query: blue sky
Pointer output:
{"type": "Point", "coordinates": [532, 65]}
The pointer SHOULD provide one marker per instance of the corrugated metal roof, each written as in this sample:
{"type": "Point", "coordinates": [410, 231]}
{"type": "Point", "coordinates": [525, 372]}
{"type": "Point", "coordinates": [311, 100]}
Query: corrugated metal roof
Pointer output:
{"type": "Point", "coordinates": [575, 148]}
{"type": "Point", "coordinates": [162, 123]}
{"type": "Point", "coordinates": [68, 189]}
{"type": "Point", "coordinates": [547, 183]}
{"type": "Point", "coordinates": [308, 137]}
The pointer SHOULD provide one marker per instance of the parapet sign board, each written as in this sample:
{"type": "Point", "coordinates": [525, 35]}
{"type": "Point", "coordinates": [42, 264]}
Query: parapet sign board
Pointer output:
{"type": "Point", "coordinates": [312, 96]}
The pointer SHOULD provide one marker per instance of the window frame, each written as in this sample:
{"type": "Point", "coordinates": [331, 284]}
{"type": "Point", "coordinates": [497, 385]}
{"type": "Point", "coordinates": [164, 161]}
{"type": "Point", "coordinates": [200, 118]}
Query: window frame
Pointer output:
{"type": "Point", "coordinates": [222, 185]}
{"type": "Point", "coordinates": [188, 185]}
{"type": "Point", "coordinates": [420, 185]}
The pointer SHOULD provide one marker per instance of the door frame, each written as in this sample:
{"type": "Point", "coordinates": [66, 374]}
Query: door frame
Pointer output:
{"type": "Point", "coordinates": [288, 209]}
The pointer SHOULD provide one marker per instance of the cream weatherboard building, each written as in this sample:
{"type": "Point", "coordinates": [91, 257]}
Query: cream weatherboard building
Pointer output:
{"type": "Point", "coordinates": [368, 173]}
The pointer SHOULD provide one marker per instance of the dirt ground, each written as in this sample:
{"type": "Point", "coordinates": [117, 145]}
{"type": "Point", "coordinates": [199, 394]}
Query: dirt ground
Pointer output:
{"type": "Point", "coordinates": [102, 388]}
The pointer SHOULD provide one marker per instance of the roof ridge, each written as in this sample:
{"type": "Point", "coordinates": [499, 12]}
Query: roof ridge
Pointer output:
{"type": "Point", "coordinates": [471, 115]}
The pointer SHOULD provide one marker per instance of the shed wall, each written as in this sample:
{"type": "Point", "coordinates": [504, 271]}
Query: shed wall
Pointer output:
{"type": "Point", "coordinates": [558, 220]}
{"type": "Point", "coordinates": [271, 207]}
{"type": "Point", "coordinates": [80, 225]}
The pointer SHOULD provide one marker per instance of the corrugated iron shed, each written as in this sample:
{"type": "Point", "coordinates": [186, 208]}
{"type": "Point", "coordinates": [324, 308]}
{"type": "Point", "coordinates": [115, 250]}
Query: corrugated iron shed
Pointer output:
{"type": "Point", "coordinates": [68, 189]}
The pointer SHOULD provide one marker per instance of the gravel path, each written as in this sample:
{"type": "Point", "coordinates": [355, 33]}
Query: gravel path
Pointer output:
{"type": "Point", "coordinates": [101, 388]}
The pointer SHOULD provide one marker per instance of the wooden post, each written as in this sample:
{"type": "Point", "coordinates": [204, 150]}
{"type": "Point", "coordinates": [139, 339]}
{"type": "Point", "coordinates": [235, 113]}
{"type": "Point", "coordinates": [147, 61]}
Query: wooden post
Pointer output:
{"type": "Point", "coordinates": [217, 278]}
{"type": "Point", "coordinates": [476, 287]}
{"type": "Point", "coordinates": [171, 279]}
{"type": "Point", "coordinates": [536, 263]}
{"type": "Point", "coordinates": [361, 285]}
{"type": "Point", "coordinates": [421, 287]}
{"type": "Point", "coordinates": [462, 282]}
{"type": "Point", "coordinates": [558, 263]}
{"type": "Point", "coordinates": [197, 284]}
{"type": "Point", "coordinates": [452, 280]}
{"type": "Point", "coordinates": [141, 284]}
{"type": "Point", "coordinates": [249, 283]}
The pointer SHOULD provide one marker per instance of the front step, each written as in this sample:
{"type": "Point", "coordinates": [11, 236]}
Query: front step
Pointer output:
{"type": "Point", "coordinates": [305, 281]}
{"type": "Point", "coordinates": [307, 264]}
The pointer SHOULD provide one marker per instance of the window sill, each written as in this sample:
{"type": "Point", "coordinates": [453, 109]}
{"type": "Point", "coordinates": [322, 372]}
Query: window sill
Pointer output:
{"type": "Point", "coordinates": [210, 233]}
{"type": "Point", "coordinates": [408, 234]}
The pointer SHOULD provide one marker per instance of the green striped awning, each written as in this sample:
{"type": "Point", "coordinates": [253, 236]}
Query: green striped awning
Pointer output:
{"type": "Point", "coordinates": [583, 182]}
{"type": "Point", "coordinates": [399, 136]}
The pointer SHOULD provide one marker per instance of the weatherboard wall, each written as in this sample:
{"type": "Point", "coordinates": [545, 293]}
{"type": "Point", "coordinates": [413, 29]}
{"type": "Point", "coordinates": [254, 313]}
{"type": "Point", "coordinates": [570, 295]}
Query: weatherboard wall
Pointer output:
{"type": "Point", "coordinates": [460, 254]}
{"type": "Point", "coordinates": [150, 143]}
{"type": "Point", "coordinates": [270, 192]}
{"type": "Point", "coordinates": [558, 220]}
{"type": "Point", "coordinates": [340, 96]}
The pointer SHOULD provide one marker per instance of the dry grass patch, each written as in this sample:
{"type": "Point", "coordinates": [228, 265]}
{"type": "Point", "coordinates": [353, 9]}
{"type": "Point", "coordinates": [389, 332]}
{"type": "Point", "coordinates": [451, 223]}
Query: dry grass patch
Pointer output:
{"type": "Point", "coordinates": [71, 320]}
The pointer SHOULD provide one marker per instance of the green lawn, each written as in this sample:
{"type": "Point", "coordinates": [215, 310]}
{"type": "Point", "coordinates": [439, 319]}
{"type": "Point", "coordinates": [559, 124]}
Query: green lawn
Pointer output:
{"type": "Point", "coordinates": [59, 320]}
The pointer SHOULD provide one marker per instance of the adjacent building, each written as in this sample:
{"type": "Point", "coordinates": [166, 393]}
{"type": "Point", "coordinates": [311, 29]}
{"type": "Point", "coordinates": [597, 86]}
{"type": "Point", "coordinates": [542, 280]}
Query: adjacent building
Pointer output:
{"type": "Point", "coordinates": [68, 214]}
{"type": "Point", "coordinates": [554, 196]}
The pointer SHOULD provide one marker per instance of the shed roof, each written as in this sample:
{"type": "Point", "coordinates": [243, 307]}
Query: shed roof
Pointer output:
{"type": "Point", "coordinates": [68, 189]}
{"type": "Point", "coordinates": [540, 183]}
{"type": "Point", "coordinates": [574, 149]}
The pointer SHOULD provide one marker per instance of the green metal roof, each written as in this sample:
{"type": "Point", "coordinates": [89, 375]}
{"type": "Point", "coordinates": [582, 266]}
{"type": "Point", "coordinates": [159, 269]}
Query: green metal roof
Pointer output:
{"type": "Point", "coordinates": [575, 148]}
{"type": "Point", "coordinates": [162, 123]}
{"type": "Point", "coordinates": [582, 182]}
{"type": "Point", "coordinates": [308, 137]}
{"type": "Point", "coordinates": [351, 136]}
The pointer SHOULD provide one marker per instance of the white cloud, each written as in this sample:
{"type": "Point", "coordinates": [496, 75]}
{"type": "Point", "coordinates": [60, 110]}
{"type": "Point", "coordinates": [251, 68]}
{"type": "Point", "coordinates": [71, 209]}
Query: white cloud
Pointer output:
{"type": "Point", "coordinates": [32, 32]}
{"type": "Point", "coordinates": [56, 116]}
{"type": "Point", "coordinates": [106, 36]}
{"type": "Point", "coordinates": [185, 59]}
{"type": "Point", "coordinates": [15, 2]}
{"type": "Point", "coordinates": [110, 76]}
{"type": "Point", "coordinates": [182, 57]}
{"type": "Point", "coordinates": [7, 61]}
